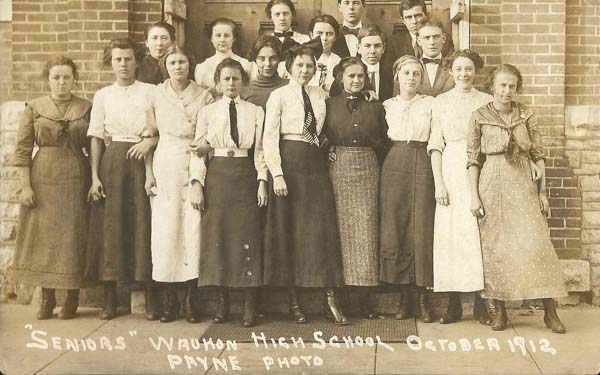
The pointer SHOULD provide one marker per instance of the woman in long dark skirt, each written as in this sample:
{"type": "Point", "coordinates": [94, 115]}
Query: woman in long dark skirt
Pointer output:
{"type": "Point", "coordinates": [235, 189]}
{"type": "Point", "coordinates": [301, 236]}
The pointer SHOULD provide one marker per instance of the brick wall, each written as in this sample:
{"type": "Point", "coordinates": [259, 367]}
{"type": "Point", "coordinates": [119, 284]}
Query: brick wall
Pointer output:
{"type": "Point", "coordinates": [5, 59]}
{"type": "Point", "coordinates": [143, 13]}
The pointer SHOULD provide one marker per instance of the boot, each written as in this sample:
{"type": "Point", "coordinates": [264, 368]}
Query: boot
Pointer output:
{"type": "Point", "coordinates": [404, 304]}
{"type": "Point", "coordinates": [249, 299]}
{"type": "Point", "coordinates": [424, 306]}
{"type": "Point", "coordinates": [500, 320]}
{"type": "Point", "coordinates": [332, 309]}
{"type": "Point", "coordinates": [109, 310]}
{"type": "Point", "coordinates": [222, 311]}
{"type": "Point", "coordinates": [171, 310]}
{"type": "Point", "coordinates": [480, 311]}
{"type": "Point", "coordinates": [151, 301]}
{"type": "Point", "coordinates": [191, 315]}
{"type": "Point", "coordinates": [69, 308]}
{"type": "Point", "coordinates": [295, 309]}
{"type": "Point", "coordinates": [551, 317]}
{"type": "Point", "coordinates": [366, 304]}
{"type": "Point", "coordinates": [48, 304]}
{"type": "Point", "coordinates": [454, 311]}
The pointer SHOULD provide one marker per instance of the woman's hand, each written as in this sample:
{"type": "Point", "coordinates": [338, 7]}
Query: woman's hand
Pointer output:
{"type": "Point", "coordinates": [150, 185]}
{"type": "Point", "coordinates": [197, 196]}
{"type": "Point", "coordinates": [96, 190]}
{"type": "Point", "coordinates": [262, 194]}
{"type": "Point", "coordinates": [544, 205]}
{"type": "Point", "coordinates": [441, 195]}
{"type": "Point", "coordinates": [280, 187]}
{"type": "Point", "coordinates": [28, 197]}
{"type": "Point", "coordinates": [139, 150]}
{"type": "Point", "coordinates": [332, 155]}
{"type": "Point", "coordinates": [477, 208]}
{"type": "Point", "coordinates": [536, 172]}
{"type": "Point", "coordinates": [371, 96]}
{"type": "Point", "coordinates": [200, 150]}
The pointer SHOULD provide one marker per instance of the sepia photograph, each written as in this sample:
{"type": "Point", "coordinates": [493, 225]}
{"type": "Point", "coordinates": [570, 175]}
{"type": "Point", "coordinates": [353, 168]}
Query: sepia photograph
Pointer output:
{"type": "Point", "coordinates": [299, 187]}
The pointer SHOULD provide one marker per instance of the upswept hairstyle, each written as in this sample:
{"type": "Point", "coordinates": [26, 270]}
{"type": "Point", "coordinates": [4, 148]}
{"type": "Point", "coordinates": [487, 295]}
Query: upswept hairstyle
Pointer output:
{"type": "Point", "coordinates": [262, 42]}
{"type": "Point", "coordinates": [272, 3]}
{"type": "Point", "coordinates": [224, 21]}
{"type": "Point", "coordinates": [122, 43]}
{"type": "Point", "coordinates": [162, 25]}
{"type": "Point", "coordinates": [60, 60]}
{"type": "Point", "coordinates": [347, 62]}
{"type": "Point", "coordinates": [466, 53]}
{"type": "Point", "coordinates": [326, 18]}
{"type": "Point", "coordinates": [505, 68]}
{"type": "Point", "coordinates": [230, 63]}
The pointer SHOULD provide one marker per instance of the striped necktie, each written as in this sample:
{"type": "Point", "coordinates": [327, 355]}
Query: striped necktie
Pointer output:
{"type": "Point", "coordinates": [309, 131]}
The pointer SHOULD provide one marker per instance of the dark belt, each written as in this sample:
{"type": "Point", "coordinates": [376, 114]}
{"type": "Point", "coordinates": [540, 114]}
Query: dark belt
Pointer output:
{"type": "Point", "coordinates": [411, 144]}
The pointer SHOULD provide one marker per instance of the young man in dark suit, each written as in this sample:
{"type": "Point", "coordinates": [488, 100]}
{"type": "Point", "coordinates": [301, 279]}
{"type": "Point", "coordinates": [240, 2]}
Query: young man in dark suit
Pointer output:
{"type": "Point", "coordinates": [371, 48]}
{"type": "Point", "coordinates": [436, 79]}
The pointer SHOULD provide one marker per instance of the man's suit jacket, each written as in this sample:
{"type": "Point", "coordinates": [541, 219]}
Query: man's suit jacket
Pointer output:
{"type": "Point", "coordinates": [443, 82]}
{"type": "Point", "coordinates": [341, 49]}
{"type": "Point", "coordinates": [402, 44]}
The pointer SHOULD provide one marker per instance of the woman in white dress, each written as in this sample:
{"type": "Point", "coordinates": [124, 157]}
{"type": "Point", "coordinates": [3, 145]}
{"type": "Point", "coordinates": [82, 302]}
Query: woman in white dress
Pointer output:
{"type": "Point", "coordinates": [175, 224]}
{"type": "Point", "coordinates": [457, 262]}
{"type": "Point", "coordinates": [326, 28]}
{"type": "Point", "coordinates": [223, 33]}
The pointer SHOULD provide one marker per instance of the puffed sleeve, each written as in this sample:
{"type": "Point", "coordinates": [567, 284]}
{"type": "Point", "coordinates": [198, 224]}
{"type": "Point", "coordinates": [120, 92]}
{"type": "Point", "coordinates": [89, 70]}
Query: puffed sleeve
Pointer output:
{"type": "Point", "coordinates": [259, 155]}
{"type": "Point", "coordinates": [96, 128]}
{"type": "Point", "coordinates": [474, 156]}
{"type": "Point", "coordinates": [25, 139]}
{"type": "Point", "coordinates": [271, 134]}
{"type": "Point", "coordinates": [436, 138]}
{"type": "Point", "coordinates": [198, 164]}
{"type": "Point", "coordinates": [537, 149]}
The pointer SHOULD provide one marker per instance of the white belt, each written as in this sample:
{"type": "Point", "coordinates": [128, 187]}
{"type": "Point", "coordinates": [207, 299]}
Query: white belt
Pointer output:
{"type": "Point", "coordinates": [293, 137]}
{"type": "Point", "coordinates": [124, 138]}
{"type": "Point", "coordinates": [231, 152]}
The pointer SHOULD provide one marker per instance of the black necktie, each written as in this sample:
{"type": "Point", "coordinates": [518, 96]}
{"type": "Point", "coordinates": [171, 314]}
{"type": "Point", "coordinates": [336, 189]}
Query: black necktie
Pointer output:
{"type": "Point", "coordinates": [346, 30]}
{"type": "Point", "coordinates": [233, 129]}
{"type": "Point", "coordinates": [286, 34]}
{"type": "Point", "coordinates": [309, 131]}
{"type": "Point", "coordinates": [427, 60]}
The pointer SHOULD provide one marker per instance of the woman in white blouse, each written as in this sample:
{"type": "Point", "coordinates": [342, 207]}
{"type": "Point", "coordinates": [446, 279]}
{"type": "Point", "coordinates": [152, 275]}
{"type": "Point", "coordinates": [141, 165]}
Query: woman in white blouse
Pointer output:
{"type": "Point", "coordinates": [235, 190]}
{"type": "Point", "coordinates": [328, 29]}
{"type": "Point", "coordinates": [175, 224]}
{"type": "Point", "coordinates": [407, 192]}
{"type": "Point", "coordinates": [223, 33]}
{"type": "Point", "coordinates": [301, 237]}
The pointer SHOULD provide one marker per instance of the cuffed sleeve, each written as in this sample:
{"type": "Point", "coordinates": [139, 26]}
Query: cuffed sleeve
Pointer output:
{"type": "Point", "coordinates": [271, 135]}
{"type": "Point", "coordinates": [25, 139]}
{"type": "Point", "coordinates": [198, 164]}
{"type": "Point", "coordinates": [535, 137]}
{"type": "Point", "coordinates": [436, 138]}
{"type": "Point", "coordinates": [259, 155]}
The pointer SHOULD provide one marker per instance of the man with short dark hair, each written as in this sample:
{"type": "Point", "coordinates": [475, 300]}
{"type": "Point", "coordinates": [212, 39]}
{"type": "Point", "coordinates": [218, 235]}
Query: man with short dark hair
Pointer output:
{"type": "Point", "coordinates": [431, 39]}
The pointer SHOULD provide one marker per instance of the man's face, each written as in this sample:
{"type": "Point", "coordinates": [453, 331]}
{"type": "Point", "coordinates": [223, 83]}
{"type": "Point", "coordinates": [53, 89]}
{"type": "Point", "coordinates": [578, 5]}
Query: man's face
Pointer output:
{"type": "Point", "coordinates": [371, 49]}
{"type": "Point", "coordinates": [352, 10]}
{"type": "Point", "coordinates": [431, 39]}
{"type": "Point", "coordinates": [413, 18]}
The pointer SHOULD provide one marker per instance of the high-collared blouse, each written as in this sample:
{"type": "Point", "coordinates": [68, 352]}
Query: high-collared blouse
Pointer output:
{"type": "Point", "coordinates": [329, 63]}
{"type": "Point", "coordinates": [213, 127]}
{"type": "Point", "coordinates": [490, 133]}
{"type": "Point", "coordinates": [450, 116]}
{"type": "Point", "coordinates": [150, 71]}
{"type": "Point", "coordinates": [122, 113]}
{"type": "Point", "coordinates": [409, 120]}
{"type": "Point", "coordinates": [43, 124]}
{"type": "Point", "coordinates": [204, 73]}
{"type": "Point", "coordinates": [285, 116]}
{"type": "Point", "coordinates": [176, 114]}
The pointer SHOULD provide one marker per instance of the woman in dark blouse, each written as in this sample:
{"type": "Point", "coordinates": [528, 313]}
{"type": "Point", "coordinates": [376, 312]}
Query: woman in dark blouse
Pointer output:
{"type": "Point", "coordinates": [356, 130]}
{"type": "Point", "coordinates": [158, 37]}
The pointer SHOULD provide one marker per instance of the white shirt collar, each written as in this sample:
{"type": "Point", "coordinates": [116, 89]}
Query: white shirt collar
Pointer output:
{"type": "Point", "coordinates": [359, 26]}
{"type": "Point", "coordinates": [372, 68]}
{"type": "Point", "coordinates": [227, 99]}
{"type": "Point", "coordinates": [222, 55]}
{"type": "Point", "coordinates": [439, 55]}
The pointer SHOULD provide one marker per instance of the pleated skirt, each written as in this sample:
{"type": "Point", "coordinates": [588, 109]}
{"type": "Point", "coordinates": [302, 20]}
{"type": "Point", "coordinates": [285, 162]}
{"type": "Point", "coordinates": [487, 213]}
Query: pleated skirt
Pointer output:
{"type": "Point", "coordinates": [231, 253]}
{"type": "Point", "coordinates": [355, 180]}
{"type": "Point", "coordinates": [119, 234]}
{"type": "Point", "coordinates": [301, 235]}
{"type": "Point", "coordinates": [407, 207]}
{"type": "Point", "coordinates": [52, 235]}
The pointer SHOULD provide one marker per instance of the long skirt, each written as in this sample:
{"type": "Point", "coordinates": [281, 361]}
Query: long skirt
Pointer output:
{"type": "Point", "coordinates": [407, 207]}
{"type": "Point", "coordinates": [52, 235]}
{"type": "Point", "coordinates": [119, 242]}
{"type": "Point", "coordinates": [301, 235]}
{"type": "Point", "coordinates": [519, 260]}
{"type": "Point", "coordinates": [175, 223]}
{"type": "Point", "coordinates": [457, 263]}
{"type": "Point", "coordinates": [231, 254]}
{"type": "Point", "coordinates": [355, 180]}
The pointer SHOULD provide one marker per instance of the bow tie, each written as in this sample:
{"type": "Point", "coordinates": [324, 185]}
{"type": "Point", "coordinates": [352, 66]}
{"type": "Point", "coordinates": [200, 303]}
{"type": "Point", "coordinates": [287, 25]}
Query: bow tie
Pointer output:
{"type": "Point", "coordinates": [287, 34]}
{"type": "Point", "coordinates": [346, 30]}
{"type": "Point", "coordinates": [427, 60]}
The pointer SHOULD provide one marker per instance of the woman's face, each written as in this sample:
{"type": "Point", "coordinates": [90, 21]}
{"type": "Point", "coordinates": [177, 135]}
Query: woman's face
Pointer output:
{"type": "Point", "coordinates": [222, 37]}
{"type": "Point", "coordinates": [230, 82]}
{"type": "Point", "coordinates": [123, 65]}
{"type": "Point", "coordinates": [158, 42]}
{"type": "Point", "coordinates": [326, 32]}
{"type": "Point", "coordinates": [463, 72]}
{"type": "Point", "coordinates": [61, 81]}
{"type": "Point", "coordinates": [354, 78]}
{"type": "Point", "coordinates": [267, 61]}
{"type": "Point", "coordinates": [505, 87]}
{"type": "Point", "coordinates": [409, 78]}
{"type": "Point", "coordinates": [303, 69]}
{"type": "Point", "coordinates": [178, 66]}
{"type": "Point", "coordinates": [281, 15]}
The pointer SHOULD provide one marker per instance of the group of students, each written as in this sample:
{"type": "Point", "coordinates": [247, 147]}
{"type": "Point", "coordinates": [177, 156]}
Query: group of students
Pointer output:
{"type": "Point", "coordinates": [246, 179]}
